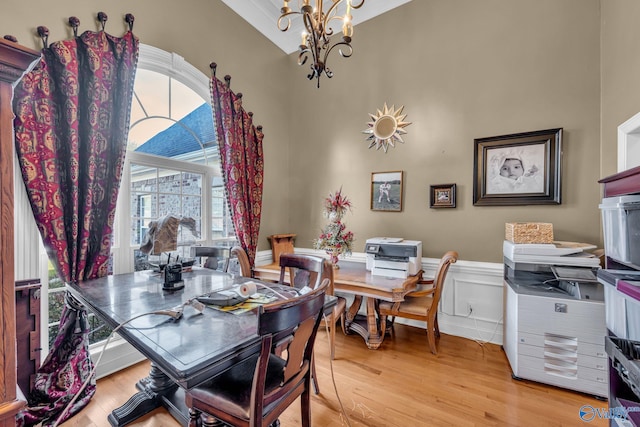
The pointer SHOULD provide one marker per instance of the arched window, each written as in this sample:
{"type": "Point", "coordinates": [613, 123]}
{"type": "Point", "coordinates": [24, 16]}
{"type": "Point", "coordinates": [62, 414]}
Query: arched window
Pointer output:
{"type": "Point", "coordinates": [172, 163]}
{"type": "Point", "coordinates": [172, 166]}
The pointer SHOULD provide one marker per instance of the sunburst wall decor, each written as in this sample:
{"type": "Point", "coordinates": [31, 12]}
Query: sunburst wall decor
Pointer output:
{"type": "Point", "coordinates": [386, 127]}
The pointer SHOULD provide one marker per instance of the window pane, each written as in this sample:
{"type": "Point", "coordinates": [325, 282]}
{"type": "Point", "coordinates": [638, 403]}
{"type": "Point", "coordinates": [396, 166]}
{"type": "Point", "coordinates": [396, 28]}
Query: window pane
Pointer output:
{"type": "Point", "coordinates": [192, 183]}
{"type": "Point", "coordinates": [169, 203]}
{"type": "Point", "coordinates": [183, 100]}
{"type": "Point", "coordinates": [98, 330]}
{"type": "Point", "coordinates": [139, 227]}
{"type": "Point", "coordinates": [152, 90]}
{"type": "Point", "coordinates": [169, 181]}
{"type": "Point", "coordinates": [186, 237]}
{"type": "Point", "coordinates": [191, 206]}
{"type": "Point", "coordinates": [56, 304]}
{"type": "Point", "coordinates": [144, 178]}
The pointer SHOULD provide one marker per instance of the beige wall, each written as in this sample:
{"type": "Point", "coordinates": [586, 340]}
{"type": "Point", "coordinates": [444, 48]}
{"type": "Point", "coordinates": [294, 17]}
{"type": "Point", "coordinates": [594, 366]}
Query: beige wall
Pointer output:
{"type": "Point", "coordinates": [620, 74]}
{"type": "Point", "coordinates": [202, 31]}
{"type": "Point", "coordinates": [463, 69]}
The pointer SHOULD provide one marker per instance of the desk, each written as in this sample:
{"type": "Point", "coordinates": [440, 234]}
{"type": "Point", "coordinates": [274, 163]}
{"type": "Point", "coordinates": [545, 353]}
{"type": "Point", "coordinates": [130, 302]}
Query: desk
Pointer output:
{"type": "Point", "coordinates": [183, 353]}
{"type": "Point", "coordinates": [354, 279]}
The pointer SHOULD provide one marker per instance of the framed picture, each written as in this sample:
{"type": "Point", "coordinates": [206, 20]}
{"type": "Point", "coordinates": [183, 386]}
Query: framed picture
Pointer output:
{"type": "Point", "coordinates": [443, 196]}
{"type": "Point", "coordinates": [518, 169]}
{"type": "Point", "coordinates": [386, 191]}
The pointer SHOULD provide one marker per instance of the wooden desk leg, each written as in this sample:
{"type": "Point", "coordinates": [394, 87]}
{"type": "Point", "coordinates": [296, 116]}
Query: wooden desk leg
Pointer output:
{"type": "Point", "coordinates": [366, 328]}
{"type": "Point", "coordinates": [155, 390]}
{"type": "Point", "coordinates": [376, 335]}
{"type": "Point", "coordinates": [353, 311]}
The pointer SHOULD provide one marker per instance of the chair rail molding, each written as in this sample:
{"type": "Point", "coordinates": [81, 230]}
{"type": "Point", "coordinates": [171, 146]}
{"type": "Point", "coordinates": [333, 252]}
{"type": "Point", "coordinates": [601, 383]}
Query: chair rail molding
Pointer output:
{"type": "Point", "coordinates": [469, 283]}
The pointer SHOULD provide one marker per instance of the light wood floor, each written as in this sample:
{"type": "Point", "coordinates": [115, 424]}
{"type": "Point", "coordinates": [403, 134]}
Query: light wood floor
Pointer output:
{"type": "Point", "coordinates": [401, 384]}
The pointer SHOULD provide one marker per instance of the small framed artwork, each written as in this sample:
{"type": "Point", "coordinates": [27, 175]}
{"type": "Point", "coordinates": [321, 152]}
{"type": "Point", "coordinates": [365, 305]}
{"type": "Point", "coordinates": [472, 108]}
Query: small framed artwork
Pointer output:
{"type": "Point", "coordinates": [386, 191]}
{"type": "Point", "coordinates": [443, 196]}
{"type": "Point", "coordinates": [518, 169]}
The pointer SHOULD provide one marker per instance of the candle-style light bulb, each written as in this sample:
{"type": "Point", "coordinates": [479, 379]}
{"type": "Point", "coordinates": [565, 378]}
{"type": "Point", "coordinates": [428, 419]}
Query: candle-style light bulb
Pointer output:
{"type": "Point", "coordinates": [346, 26]}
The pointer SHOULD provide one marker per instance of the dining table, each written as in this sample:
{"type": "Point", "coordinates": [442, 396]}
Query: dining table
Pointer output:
{"type": "Point", "coordinates": [185, 349]}
{"type": "Point", "coordinates": [353, 278]}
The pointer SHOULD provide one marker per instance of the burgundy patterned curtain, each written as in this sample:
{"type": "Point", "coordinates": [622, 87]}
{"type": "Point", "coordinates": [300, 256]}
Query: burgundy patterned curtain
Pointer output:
{"type": "Point", "coordinates": [71, 127]}
{"type": "Point", "coordinates": [240, 144]}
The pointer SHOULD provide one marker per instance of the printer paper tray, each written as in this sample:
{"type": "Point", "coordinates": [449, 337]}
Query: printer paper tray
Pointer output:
{"type": "Point", "coordinates": [388, 272]}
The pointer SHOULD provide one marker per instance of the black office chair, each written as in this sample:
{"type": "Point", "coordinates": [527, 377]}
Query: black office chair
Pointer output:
{"type": "Point", "coordinates": [257, 390]}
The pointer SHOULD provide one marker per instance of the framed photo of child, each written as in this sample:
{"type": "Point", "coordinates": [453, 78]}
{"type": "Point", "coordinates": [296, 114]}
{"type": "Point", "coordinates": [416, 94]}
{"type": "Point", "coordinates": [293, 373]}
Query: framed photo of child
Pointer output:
{"type": "Point", "coordinates": [518, 169]}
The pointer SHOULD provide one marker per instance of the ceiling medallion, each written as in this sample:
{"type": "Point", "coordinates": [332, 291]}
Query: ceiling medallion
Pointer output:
{"type": "Point", "coordinates": [386, 127]}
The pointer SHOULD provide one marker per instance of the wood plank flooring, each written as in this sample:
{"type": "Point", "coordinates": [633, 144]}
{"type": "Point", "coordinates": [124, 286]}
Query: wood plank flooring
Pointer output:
{"type": "Point", "coordinates": [399, 385]}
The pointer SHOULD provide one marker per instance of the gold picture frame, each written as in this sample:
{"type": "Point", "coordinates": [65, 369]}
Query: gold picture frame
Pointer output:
{"type": "Point", "coordinates": [442, 196]}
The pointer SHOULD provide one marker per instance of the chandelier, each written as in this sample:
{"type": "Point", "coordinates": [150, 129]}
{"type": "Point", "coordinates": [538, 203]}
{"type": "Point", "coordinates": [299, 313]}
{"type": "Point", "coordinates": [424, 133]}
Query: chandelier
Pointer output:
{"type": "Point", "coordinates": [317, 36]}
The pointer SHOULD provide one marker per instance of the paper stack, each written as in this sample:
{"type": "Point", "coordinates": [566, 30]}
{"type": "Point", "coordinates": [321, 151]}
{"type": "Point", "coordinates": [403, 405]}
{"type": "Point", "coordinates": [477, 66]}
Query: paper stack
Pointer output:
{"type": "Point", "coordinates": [556, 253]}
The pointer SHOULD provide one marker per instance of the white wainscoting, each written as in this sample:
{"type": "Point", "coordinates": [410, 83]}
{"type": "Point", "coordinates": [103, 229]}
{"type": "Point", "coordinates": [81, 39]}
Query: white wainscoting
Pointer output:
{"type": "Point", "coordinates": [468, 282]}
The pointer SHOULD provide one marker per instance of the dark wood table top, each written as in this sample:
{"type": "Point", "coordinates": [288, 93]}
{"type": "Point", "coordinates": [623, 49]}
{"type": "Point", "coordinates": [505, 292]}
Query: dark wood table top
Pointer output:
{"type": "Point", "coordinates": [189, 350]}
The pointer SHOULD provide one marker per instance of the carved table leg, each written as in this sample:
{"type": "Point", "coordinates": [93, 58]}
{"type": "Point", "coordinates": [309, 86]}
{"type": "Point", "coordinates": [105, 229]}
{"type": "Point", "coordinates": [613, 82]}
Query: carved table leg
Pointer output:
{"type": "Point", "coordinates": [152, 388]}
{"type": "Point", "coordinates": [353, 310]}
{"type": "Point", "coordinates": [376, 335]}
{"type": "Point", "coordinates": [366, 328]}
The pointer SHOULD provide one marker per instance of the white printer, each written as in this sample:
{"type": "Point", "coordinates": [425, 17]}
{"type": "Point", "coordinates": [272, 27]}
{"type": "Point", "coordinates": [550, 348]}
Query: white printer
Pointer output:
{"type": "Point", "coordinates": [393, 256]}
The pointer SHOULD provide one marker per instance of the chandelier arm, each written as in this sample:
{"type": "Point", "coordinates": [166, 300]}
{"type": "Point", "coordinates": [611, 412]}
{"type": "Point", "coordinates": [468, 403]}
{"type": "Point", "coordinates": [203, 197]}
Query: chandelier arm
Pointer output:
{"type": "Point", "coordinates": [328, 73]}
{"type": "Point", "coordinates": [303, 56]}
{"type": "Point", "coordinates": [316, 40]}
{"type": "Point", "coordinates": [348, 53]}
{"type": "Point", "coordinates": [331, 15]}
{"type": "Point", "coordinates": [288, 20]}
{"type": "Point", "coordinates": [309, 22]}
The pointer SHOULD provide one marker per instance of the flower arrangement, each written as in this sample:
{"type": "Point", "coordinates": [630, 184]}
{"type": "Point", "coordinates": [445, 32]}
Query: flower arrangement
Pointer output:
{"type": "Point", "coordinates": [335, 240]}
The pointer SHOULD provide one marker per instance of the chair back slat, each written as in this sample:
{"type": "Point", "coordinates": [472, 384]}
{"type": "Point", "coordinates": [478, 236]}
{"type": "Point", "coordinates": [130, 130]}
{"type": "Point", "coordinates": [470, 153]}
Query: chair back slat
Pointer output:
{"type": "Point", "coordinates": [447, 259]}
{"type": "Point", "coordinates": [282, 315]}
{"type": "Point", "coordinates": [298, 318]}
{"type": "Point", "coordinates": [240, 397]}
{"type": "Point", "coordinates": [304, 270]}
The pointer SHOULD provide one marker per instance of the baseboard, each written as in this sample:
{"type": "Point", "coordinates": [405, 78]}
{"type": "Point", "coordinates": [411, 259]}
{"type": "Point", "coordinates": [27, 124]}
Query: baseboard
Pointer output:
{"type": "Point", "coordinates": [118, 355]}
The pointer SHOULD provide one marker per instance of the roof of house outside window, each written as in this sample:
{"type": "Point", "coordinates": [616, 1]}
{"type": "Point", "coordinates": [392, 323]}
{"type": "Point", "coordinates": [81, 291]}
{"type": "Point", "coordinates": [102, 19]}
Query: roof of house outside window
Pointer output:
{"type": "Point", "coordinates": [185, 136]}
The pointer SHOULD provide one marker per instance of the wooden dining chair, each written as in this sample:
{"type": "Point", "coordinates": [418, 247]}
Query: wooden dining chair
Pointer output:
{"type": "Point", "coordinates": [307, 271]}
{"type": "Point", "coordinates": [422, 304]}
{"type": "Point", "coordinates": [257, 390]}
{"type": "Point", "coordinates": [238, 253]}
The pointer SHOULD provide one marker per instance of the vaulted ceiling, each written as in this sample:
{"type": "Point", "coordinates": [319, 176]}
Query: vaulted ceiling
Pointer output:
{"type": "Point", "coordinates": [263, 15]}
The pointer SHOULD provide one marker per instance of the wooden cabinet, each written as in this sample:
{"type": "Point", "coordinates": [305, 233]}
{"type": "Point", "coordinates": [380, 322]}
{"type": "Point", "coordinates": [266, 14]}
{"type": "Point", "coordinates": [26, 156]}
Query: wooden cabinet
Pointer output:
{"type": "Point", "coordinates": [14, 60]}
{"type": "Point", "coordinates": [27, 332]}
